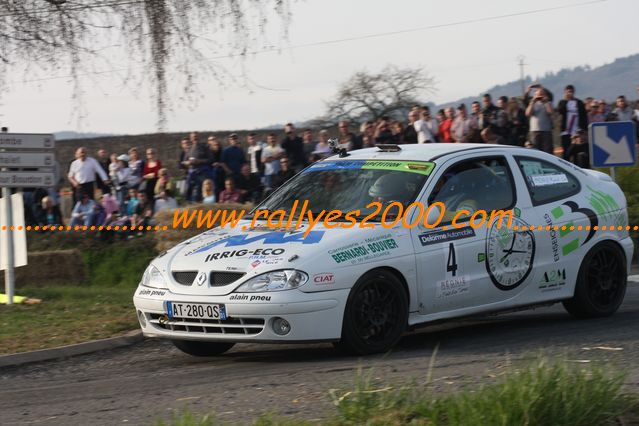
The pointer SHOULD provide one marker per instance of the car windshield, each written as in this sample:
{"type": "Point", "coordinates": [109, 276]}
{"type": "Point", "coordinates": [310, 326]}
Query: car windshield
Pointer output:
{"type": "Point", "coordinates": [350, 185]}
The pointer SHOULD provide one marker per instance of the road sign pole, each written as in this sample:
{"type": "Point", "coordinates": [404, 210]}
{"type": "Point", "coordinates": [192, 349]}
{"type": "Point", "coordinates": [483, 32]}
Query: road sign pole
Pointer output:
{"type": "Point", "coordinates": [613, 174]}
{"type": "Point", "coordinates": [9, 276]}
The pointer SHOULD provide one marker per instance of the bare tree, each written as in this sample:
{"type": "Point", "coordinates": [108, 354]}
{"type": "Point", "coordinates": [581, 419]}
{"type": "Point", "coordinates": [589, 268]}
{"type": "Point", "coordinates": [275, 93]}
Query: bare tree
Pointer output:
{"type": "Point", "coordinates": [162, 42]}
{"type": "Point", "coordinates": [369, 96]}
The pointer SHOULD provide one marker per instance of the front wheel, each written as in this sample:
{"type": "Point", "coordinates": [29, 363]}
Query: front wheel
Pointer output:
{"type": "Point", "coordinates": [376, 314]}
{"type": "Point", "coordinates": [197, 348]}
{"type": "Point", "coordinates": [601, 282]}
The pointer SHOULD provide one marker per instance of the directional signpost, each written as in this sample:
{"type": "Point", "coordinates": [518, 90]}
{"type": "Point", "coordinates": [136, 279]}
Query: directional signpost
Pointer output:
{"type": "Point", "coordinates": [613, 144]}
{"type": "Point", "coordinates": [26, 161]}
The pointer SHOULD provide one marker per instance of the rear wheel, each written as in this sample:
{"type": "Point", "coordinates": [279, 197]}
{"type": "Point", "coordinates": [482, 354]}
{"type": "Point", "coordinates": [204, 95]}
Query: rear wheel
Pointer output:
{"type": "Point", "coordinates": [197, 348]}
{"type": "Point", "coordinates": [376, 314]}
{"type": "Point", "coordinates": [601, 282]}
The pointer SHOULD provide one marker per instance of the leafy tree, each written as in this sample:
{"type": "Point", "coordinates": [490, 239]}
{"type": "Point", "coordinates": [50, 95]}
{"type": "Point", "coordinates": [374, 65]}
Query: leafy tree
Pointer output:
{"type": "Point", "coordinates": [390, 92]}
{"type": "Point", "coordinates": [160, 41]}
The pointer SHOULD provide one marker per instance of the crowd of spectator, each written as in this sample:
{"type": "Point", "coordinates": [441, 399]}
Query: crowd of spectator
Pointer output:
{"type": "Point", "coordinates": [133, 189]}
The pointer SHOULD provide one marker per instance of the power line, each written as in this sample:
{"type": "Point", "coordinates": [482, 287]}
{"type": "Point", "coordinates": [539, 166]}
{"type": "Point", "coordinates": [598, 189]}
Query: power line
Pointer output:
{"type": "Point", "coordinates": [354, 38]}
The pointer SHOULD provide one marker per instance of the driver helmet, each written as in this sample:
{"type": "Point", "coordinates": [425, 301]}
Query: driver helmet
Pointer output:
{"type": "Point", "coordinates": [387, 187]}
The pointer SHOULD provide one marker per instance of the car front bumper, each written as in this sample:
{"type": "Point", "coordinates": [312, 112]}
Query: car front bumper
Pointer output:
{"type": "Point", "coordinates": [312, 316]}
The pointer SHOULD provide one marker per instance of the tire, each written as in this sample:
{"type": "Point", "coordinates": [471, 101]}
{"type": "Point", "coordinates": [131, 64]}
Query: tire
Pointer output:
{"type": "Point", "coordinates": [376, 314]}
{"type": "Point", "coordinates": [197, 348]}
{"type": "Point", "coordinates": [601, 282]}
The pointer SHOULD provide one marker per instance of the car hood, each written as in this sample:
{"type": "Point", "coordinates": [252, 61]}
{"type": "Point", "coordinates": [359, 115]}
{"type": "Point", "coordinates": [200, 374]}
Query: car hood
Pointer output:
{"type": "Point", "coordinates": [217, 261]}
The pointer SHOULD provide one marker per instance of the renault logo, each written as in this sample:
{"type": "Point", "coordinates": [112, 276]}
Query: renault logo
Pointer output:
{"type": "Point", "coordinates": [201, 278]}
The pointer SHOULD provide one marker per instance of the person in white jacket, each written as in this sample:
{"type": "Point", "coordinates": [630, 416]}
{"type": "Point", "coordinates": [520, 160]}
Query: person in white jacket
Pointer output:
{"type": "Point", "coordinates": [426, 128]}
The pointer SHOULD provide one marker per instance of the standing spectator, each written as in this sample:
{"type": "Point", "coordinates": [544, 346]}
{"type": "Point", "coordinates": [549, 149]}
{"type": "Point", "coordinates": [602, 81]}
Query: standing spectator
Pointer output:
{"type": "Point", "coordinates": [150, 172]}
{"type": "Point", "coordinates": [573, 117]}
{"type": "Point", "coordinates": [309, 145]}
{"type": "Point", "coordinates": [366, 130]}
{"type": "Point", "coordinates": [578, 151]}
{"type": "Point", "coordinates": [518, 121]}
{"type": "Point", "coordinates": [503, 126]}
{"type": "Point", "coordinates": [103, 159]}
{"type": "Point", "coordinates": [623, 111]}
{"type": "Point", "coordinates": [82, 173]}
{"type": "Point", "coordinates": [383, 133]}
{"type": "Point", "coordinates": [165, 201]}
{"type": "Point", "coordinates": [83, 212]}
{"type": "Point", "coordinates": [164, 182]}
{"type": "Point", "coordinates": [463, 125]}
{"type": "Point", "coordinates": [446, 125]}
{"type": "Point", "coordinates": [596, 113]}
{"type": "Point", "coordinates": [123, 178]}
{"type": "Point", "coordinates": [254, 152]}
{"type": "Point", "coordinates": [293, 146]}
{"type": "Point", "coordinates": [218, 174]}
{"type": "Point", "coordinates": [532, 89]}
{"type": "Point", "coordinates": [208, 192]}
{"type": "Point", "coordinates": [200, 161]}
{"type": "Point", "coordinates": [284, 174]}
{"type": "Point", "coordinates": [183, 162]}
{"type": "Point", "coordinates": [489, 136]}
{"type": "Point", "coordinates": [398, 132]}
{"type": "Point", "coordinates": [539, 111]}
{"type": "Point", "coordinates": [230, 193]}
{"type": "Point", "coordinates": [137, 168]}
{"type": "Point", "coordinates": [113, 167]}
{"type": "Point", "coordinates": [426, 128]}
{"type": "Point", "coordinates": [346, 137]}
{"type": "Point", "coordinates": [272, 155]}
{"type": "Point", "coordinates": [322, 146]}
{"type": "Point", "coordinates": [475, 116]}
{"type": "Point", "coordinates": [410, 135]}
{"type": "Point", "coordinates": [233, 156]}
{"type": "Point", "coordinates": [488, 113]}
{"type": "Point", "coordinates": [249, 185]}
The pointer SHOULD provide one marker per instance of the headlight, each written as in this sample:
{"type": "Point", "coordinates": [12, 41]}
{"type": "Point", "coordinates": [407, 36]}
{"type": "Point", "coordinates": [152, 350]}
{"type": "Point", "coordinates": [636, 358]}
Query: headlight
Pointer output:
{"type": "Point", "coordinates": [153, 278]}
{"type": "Point", "coordinates": [287, 279]}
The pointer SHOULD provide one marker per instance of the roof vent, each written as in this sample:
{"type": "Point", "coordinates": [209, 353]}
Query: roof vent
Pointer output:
{"type": "Point", "coordinates": [388, 147]}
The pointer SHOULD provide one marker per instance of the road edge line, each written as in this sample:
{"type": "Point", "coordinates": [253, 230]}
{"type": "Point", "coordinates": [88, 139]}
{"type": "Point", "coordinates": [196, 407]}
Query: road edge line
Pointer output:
{"type": "Point", "coordinates": [21, 358]}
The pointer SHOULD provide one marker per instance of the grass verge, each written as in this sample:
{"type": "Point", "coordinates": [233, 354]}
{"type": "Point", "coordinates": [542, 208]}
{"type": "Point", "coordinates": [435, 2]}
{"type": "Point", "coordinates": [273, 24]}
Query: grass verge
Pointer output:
{"type": "Point", "coordinates": [100, 308]}
{"type": "Point", "coordinates": [546, 392]}
{"type": "Point", "coordinates": [67, 315]}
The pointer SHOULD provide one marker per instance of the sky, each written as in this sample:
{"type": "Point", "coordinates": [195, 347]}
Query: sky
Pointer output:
{"type": "Point", "coordinates": [294, 83]}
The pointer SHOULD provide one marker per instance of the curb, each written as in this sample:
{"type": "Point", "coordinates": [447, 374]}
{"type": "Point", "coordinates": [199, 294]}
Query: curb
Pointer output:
{"type": "Point", "coordinates": [128, 339]}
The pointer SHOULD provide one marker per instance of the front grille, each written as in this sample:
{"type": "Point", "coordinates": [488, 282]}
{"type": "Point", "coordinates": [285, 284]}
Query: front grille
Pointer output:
{"type": "Point", "coordinates": [184, 277]}
{"type": "Point", "coordinates": [243, 326]}
{"type": "Point", "coordinates": [219, 278]}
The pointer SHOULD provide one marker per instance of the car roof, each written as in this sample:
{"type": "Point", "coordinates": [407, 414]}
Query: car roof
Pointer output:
{"type": "Point", "coordinates": [420, 152]}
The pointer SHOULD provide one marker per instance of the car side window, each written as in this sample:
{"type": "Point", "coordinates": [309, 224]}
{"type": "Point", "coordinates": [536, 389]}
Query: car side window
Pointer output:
{"type": "Point", "coordinates": [477, 184]}
{"type": "Point", "coordinates": [546, 182]}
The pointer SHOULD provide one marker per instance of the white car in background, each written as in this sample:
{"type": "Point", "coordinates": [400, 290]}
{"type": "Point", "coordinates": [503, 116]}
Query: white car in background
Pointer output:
{"type": "Point", "coordinates": [363, 288]}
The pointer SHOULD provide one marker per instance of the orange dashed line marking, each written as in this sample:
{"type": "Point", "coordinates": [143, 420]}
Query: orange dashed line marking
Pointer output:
{"type": "Point", "coordinates": [579, 228]}
{"type": "Point", "coordinates": [595, 227]}
{"type": "Point", "coordinates": [588, 228]}
{"type": "Point", "coordinates": [164, 228]}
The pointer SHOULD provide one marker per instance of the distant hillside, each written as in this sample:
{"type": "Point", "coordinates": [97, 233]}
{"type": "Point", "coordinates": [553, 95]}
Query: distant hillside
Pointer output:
{"type": "Point", "coordinates": [620, 77]}
{"type": "Point", "coordinates": [69, 134]}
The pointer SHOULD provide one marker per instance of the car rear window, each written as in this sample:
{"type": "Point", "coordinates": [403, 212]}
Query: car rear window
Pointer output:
{"type": "Point", "coordinates": [546, 182]}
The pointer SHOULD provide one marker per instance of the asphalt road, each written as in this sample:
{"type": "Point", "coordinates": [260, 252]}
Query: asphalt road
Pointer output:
{"type": "Point", "coordinates": [151, 380]}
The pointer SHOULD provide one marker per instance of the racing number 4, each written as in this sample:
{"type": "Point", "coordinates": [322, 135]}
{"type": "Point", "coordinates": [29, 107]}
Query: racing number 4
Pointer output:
{"type": "Point", "coordinates": [451, 265]}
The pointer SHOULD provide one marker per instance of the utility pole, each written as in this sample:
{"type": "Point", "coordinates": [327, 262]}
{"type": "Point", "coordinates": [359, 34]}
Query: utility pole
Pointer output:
{"type": "Point", "coordinates": [9, 276]}
{"type": "Point", "coordinates": [521, 59]}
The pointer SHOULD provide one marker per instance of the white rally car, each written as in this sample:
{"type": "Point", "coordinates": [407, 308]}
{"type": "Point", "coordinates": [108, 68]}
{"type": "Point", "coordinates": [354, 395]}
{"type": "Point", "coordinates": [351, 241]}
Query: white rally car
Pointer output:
{"type": "Point", "coordinates": [363, 287]}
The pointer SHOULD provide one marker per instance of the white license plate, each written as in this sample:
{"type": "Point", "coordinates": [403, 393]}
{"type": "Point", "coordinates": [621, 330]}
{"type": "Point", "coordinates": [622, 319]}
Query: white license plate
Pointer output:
{"type": "Point", "coordinates": [195, 310]}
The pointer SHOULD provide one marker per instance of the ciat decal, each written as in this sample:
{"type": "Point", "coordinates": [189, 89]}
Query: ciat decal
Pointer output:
{"type": "Point", "coordinates": [324, 278]}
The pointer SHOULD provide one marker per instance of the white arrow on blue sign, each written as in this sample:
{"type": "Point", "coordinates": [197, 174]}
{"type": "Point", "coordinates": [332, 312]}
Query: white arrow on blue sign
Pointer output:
{"type": "Point", "coordinates": [613, 144]}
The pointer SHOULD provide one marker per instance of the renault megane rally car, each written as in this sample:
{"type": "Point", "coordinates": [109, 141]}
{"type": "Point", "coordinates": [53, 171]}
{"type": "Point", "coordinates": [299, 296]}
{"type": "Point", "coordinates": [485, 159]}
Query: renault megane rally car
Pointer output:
{"type": "Point", "coordinates": [363, 286]}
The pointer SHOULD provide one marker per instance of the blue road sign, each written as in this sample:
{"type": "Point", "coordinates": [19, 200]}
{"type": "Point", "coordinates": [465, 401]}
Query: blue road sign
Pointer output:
{"type": "Point", "coordinates": [613, 144]}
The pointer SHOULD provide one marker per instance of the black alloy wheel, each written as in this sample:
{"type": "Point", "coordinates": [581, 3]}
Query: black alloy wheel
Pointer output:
{"type": "Point", "coordinates": [601, 283]}
{"type": "Point", "coordinates": [376, 314]}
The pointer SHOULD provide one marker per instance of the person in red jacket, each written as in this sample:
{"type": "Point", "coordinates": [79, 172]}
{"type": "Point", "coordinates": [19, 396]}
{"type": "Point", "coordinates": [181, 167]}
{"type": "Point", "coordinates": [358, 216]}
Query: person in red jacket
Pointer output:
{"type": "Point", "coordinates": [446, 124]}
